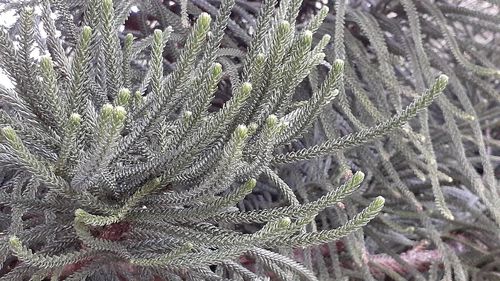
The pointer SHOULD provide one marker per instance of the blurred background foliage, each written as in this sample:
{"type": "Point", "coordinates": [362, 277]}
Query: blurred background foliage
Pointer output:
{"type": "Point", "coordinates": [439, 174]}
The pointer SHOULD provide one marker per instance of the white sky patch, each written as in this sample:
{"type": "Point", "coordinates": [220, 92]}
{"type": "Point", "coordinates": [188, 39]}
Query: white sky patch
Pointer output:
{"type": "Point", "coordinates": [5, 81]}
{"type": "Point", "coordinates": [7, 19]}
{"type": "Point", "coordinates": [392, 15]}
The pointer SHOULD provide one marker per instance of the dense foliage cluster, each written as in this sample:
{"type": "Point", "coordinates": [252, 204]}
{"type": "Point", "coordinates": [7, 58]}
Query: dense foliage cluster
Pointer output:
{"type": "Point", "coordinates": [216, 140]}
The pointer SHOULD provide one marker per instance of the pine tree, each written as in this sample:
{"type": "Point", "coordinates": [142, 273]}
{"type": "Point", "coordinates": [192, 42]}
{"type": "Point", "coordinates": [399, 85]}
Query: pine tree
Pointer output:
{"type": "Point", "coordinates": [118, 167]}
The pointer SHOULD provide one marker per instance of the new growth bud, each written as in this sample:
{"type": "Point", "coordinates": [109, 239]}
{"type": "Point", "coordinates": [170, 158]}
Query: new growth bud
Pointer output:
{"type": "Point", "coordinates": [284, 222]}
{"type": "Point", "coordinates": [9, 133]}
{"type": "Point", "coordinates": [379, 201]}
{"type": "Point", "coordinates": [241, 131]}
{"type": "Point", "coordinates": [253, 127]}
{"type": "Point", "coordinates": [46, 62]}
{"type": "Point", "coordinates": [326, 38]}
{"type": "Point", "coordinates": [86, 33]}
{"type": "Point", "coordinates": [440, 85]}
{"type": "Point", "coordinates": [107, 5]}
{"type": "Point", "coordinates": [442, 79]}
{"type": "Point", "coordinates": [357, 178]}
{"type": "Point", "coordinates": [272, 121]}
{"type": "Point", "coordinates": [252, 183]}
{"type": "Point", "coordinates": [338, 64]}
{"type": "Point", "coordinates": [319, 57]}
{"type": "Point", "coordinates": [188, 246]}
{"type": "Point", "coordinates": [284, 26]}
{"type": "Point", "coordinates": [79, 213]}
{"type": "Point", "coordinates": [158, 33]}
{"type": "Point", "coordinates": [123, 97]}
{"type": "Point", "coordinates": [157, 37]}
{"type": "Point", "coordinates": [138, 98]}
{"type": "Point", "coordinates": [129, 38]}
{"type": "Point", "coordinates": [28, 10]}
{"type": "Point", "coordinates": [249, 186]}
{"type": "Point", "coordinates": [308, 36]}
{"type": "Point", "coordinates": [187, 114]}
{"type": "Point", "coordinates": [75, 119]}
{"type": "Point", "coordinates": [216, 69]}
{"type": "Point", "coordinates": [107, 111]}
{"type": "Point", "coordinates": [204, 20]}
{"type": "Point", "coordinates": [15, 242]}
{"type": "Point", "coordinates": [119, 114]}
{"type": "Point", "coordinates": [156, 181]}
{"type": "Point", "coordinates": [246, 88]}
{"type": "Point", "coordinates": [260, 58]}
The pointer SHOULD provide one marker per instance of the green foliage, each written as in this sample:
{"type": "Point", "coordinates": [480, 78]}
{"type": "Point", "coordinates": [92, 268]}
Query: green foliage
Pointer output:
{"type": "Point", "coordinates": [159, 184]}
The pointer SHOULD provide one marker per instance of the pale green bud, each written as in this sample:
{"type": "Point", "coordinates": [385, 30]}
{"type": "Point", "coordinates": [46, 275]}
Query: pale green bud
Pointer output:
{"type": "Point", "coordinates": [440, 85]}
{"type": "Point", "coordinates": [187, 114]}
{"type": "Point", "coordinates": [15, 242]}
{"type": "Point", "coordinates": [107, 111]}
{"type": "Point", "coordinates": [216, 69]}
{"type": "Point", "coordinates": [86, 33]}
{"type": "Point", "coordinates": [9, 133]}
{"type": "Point", "coordinates": [188, 246]}
{"type": "Point", "coordinates": [129, 39]}
{"type": "Point", "coordinates": [284, 222]}
{"type": "Point", "coordinates": [252, 127]}
{"type": "Point", "coordinates": [241, 131]}
{"type": "Point", "coordinates": [157, 33]}
{"type": "Point", "coordinates": [119, 114]}
{"type": "Point", "coordinates": [272, 121]}
{"type": "Point", "coordinates": [246, 88]}
{"type": "Point", "coordinates": [250, 185]}
{"type": "Point", "coordinates": [379, 201]}
{"type": "Point", "coordinates": [204, 20]}
{"type": "Point", "coordinates": [319, 57]}
{"type": "Point", "coordinates": [307, 37]}
{"type": "Point", "coordinates": [325, 39]}
{"type": "Point", "coordinates": [123, 97]}
{"type": "Point", "coordinates": [443, 79]}
{"type": "Point", "coordinates": [260, 58]}
{"type": "Point", "coordinates": [46, 63]}
{"type": "Point", "coordinates": [338, 65]}
{"type": "Point", "coordinates": [156, 181]}
{"type": "Point", "coordinates": [80, 213]}
{"type": "Point", "coordinates": [75, 119]}
{"type": "Point", "coordinates": [138, 98]}
{"type": "Point", "coordinates": [357, 178]}
{"type": "Point", "coordinates": [107, 5]}
{"type": "Point", "coordinates": [158, 36]}
{"type": "Point", "coordinates": [469, 117]}
{"type": "Point", "coordinates": [284, 27]}
{"type": "Point", "coordinates": [28, 10]}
